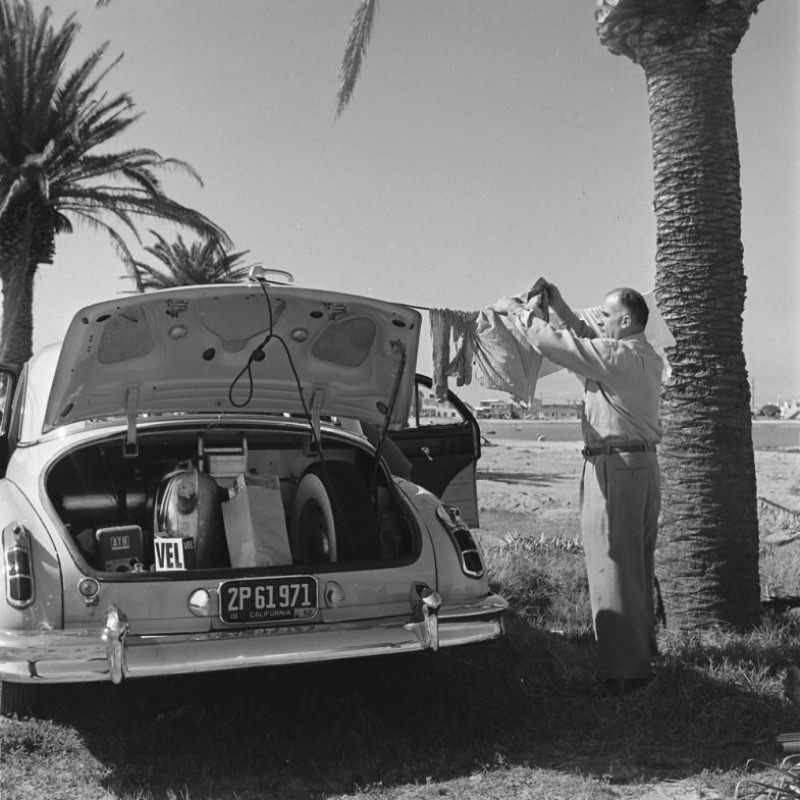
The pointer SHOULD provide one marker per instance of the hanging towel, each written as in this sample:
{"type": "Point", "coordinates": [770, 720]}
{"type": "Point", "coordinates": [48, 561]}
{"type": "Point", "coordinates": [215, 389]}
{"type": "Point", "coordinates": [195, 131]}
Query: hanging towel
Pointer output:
{"type": "Point", "coordinates": [463, 327]}
{"type": "Point", "coordinates": [456, 327]}
{"type": "Point", "coordinates": [488, 348]}
{"type": "Point", "coordinates": [440, 320]}
{"type": "Point", "coordinates": [504, 360]}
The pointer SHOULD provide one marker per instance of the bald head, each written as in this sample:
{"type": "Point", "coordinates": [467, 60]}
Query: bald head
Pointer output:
{"type": "Point", "coordinates": [634, 303]}
{"type": "Point", "coordinates": [624, 313]}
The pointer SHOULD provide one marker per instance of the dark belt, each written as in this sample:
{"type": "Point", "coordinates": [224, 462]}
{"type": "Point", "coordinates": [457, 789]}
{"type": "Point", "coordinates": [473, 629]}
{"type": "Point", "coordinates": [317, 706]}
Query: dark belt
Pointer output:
{"type": "Point", "coordinates": [622, 447]}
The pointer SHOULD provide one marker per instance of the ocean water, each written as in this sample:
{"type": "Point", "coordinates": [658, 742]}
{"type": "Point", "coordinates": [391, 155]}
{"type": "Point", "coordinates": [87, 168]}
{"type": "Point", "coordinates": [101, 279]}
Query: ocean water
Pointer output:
{"type": "Point", "coordinates": [767, 434]}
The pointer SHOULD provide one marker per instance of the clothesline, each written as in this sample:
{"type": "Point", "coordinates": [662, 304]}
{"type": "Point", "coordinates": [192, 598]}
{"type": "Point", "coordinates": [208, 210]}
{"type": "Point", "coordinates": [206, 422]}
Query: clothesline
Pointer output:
{"type": "Point", "coordinates": [500, 355]}
{"type": "Point", "coordinates": [657, 330]}
{"type": "Point", "coordinates": [539, 286]}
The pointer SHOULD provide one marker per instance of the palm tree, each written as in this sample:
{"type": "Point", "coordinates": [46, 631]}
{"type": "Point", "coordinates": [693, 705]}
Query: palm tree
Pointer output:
{"type": "Point", "coordinates": [202, 262]}
{"type": "Point", "coordinates": [708, 559]}
{"type": "Point", "coordinates": [52, 126]}
{"type": "Point", "coordinates": [708, 556]}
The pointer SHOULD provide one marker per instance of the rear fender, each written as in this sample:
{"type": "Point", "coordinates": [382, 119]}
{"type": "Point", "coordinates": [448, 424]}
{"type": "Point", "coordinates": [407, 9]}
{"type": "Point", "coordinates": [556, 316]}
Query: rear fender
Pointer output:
{"type": "Point", "coordinates": [46, 610]}
{"type": "Point", "coordinates": [452, 583]}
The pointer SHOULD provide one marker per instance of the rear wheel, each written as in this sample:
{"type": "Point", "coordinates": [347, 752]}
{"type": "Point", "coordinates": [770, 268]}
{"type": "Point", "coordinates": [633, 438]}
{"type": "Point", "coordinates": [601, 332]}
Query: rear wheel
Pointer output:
{"type": "Point", "coordinates": [333, 518]}
{"type": "Point", "coordinates": [21, 699]}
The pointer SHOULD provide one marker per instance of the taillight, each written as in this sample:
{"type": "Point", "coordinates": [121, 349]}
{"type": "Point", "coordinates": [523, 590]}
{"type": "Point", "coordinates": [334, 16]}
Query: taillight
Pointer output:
{"type": "Point", "coordinates": [467, 548]}
{"type": "Point", "coordinates": [18, 565]}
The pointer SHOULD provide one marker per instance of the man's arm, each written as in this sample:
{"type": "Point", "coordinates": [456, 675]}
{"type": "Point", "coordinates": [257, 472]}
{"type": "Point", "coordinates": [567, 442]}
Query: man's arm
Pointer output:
{"type": "Point", "coordinates": [590, 358]}
{"type": "Point", "coordinates": [584, 355]}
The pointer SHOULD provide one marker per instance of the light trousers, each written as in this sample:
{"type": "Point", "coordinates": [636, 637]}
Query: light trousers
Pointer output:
{"type": "Point", "coordinates": [620, 504]}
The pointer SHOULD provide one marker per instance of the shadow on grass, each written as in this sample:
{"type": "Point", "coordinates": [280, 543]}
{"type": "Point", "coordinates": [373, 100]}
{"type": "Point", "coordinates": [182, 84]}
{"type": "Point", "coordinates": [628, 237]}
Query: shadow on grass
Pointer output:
{"type": "Point", "coordinates": [330, 729]}
{"type": "Point", "coordinates": [527, 478]}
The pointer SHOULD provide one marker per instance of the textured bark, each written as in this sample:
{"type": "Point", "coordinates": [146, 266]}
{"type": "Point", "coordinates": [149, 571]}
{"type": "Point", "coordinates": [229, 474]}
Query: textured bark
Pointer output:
{"type": "Point", "coordinates": [707, 559]}
{"type": "Point", "coordinates": [17, 329]}
{"type": "Point", "coordinates": [708, 553]}
{"type": "Point", "coordinates": [27, 237]}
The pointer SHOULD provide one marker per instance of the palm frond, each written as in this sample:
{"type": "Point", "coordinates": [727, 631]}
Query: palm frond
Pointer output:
{"type": "Point", "coordinates": [53, 121]}
{"type": "Point", "coordinates": [93, 217]}
{"type": "Point", "coordinates": [355, 51]}
{"type": "Point", "coordinates": [10, 194]}
{"type": "Point", "coordinates": [202, 262]}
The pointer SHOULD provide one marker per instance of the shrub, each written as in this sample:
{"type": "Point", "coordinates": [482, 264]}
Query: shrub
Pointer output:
{"type": "Point", "coordinates": [544, 581]}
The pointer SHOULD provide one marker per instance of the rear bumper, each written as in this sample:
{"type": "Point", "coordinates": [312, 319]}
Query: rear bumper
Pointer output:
{"type": "Point", "coordinates": [112, 654]}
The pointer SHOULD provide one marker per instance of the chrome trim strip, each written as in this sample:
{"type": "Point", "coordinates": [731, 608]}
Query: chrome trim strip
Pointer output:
{"type": "Point", "coordinates": [113, 653]}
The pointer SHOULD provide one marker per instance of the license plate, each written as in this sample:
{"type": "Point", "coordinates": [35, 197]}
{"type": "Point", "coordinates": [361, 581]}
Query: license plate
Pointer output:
{"type": "Point", "coordinates": [249, 600]}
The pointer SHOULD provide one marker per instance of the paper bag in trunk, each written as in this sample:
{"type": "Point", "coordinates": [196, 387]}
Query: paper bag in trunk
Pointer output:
{"type": "Point", "coordinates": [255, 523]}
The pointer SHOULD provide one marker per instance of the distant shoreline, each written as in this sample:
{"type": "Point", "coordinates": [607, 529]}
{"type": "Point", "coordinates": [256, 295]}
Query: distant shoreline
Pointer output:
{"type": "Point", "coordinates": [767, 434]}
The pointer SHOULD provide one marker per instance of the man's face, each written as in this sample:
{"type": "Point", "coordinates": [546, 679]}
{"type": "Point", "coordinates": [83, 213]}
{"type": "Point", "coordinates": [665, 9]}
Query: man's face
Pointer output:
{"type": "Point", "coordinates": [615, 321]}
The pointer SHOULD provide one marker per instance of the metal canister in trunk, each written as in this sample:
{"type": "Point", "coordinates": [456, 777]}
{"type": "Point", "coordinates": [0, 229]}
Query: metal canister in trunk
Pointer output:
{"type": "Point", "coordinates": [188, 507]}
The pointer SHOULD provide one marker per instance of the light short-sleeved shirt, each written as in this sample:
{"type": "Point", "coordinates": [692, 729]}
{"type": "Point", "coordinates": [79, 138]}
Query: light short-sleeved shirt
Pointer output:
{"type": "Point", "coordinates": [622, 380]}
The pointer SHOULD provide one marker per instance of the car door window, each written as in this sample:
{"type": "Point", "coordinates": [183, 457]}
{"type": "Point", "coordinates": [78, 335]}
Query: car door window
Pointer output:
{"type": "Point", "coordinates": [427, 410]}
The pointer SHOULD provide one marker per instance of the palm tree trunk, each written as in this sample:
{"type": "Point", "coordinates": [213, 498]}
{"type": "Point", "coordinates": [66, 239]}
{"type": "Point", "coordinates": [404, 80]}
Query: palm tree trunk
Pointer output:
{"type": "Point", "coordinates": [26, 240]}
{"type": "Point", "coordinates": [17, 327]}
{"type": "Point", "coordinates": [707, 560]}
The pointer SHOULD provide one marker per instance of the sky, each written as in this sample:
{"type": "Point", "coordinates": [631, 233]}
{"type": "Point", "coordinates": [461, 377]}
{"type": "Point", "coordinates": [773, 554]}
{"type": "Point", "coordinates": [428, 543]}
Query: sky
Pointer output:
{"type": "Point", "coordinates": [488, 143]}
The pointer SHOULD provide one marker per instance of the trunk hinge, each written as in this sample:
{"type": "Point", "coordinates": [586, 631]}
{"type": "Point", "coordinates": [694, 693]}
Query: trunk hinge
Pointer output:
{"type": "Point", "coordinates": [131, 405]}
{"type": "Point", "coordinates": [388, 411]}
{"type": "Point", "coordinates": [317, 399]}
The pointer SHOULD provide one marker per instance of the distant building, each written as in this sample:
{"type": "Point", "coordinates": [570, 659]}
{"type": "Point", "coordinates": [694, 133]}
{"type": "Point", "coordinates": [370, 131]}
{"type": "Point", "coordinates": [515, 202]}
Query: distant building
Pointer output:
{"type": "Point", "coordinates": [497, 409]}
{"type": "Point", "coordinates": [429, 407]}
{"type": "Point", "coordinates": [560, 411]}
{"type": "Point", "coordinates": [790, 410]}
{"type": "Point", "coordinates": [509, 409]}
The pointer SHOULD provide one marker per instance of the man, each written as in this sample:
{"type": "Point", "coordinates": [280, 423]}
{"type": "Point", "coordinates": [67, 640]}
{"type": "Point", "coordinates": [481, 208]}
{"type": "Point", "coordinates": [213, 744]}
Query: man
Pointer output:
{"type": "Point", "coordinates": [620, 486]}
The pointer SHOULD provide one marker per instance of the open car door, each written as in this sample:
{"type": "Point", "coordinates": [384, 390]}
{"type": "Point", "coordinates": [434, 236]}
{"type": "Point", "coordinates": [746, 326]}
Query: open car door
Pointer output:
{"type": "Point", "coordinates": [443, 443]}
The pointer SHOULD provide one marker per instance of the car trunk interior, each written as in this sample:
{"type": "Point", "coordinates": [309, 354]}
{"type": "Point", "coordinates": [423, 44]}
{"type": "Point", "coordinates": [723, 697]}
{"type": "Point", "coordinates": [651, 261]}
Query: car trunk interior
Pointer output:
{"type": "Point", "coordinates": [244, 502]}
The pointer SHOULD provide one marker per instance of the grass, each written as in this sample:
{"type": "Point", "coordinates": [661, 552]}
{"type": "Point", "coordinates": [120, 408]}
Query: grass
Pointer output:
{"type": "Point", "coordinates": [515, 718]}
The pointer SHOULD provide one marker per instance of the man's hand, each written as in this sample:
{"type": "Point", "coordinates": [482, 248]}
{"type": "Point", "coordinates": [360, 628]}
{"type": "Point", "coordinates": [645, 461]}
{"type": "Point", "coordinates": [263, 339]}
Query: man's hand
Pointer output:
{"type": "Point", "coordinates": [537, 287]}
{"type": "Point", "coordinates": [555, 298]}
{"type": "Point", "coordinates": [506, 305]}
{"type": "Point", "coordinates": [536, 304]}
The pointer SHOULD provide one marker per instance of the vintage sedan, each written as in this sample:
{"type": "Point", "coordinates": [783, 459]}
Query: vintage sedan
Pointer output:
{"type": "Point", "coordinates": [219, 477]}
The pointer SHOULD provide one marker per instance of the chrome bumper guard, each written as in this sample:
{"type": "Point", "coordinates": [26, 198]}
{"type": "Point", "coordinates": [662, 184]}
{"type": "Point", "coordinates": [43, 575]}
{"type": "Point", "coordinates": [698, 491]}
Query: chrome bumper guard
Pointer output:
{"type": "Point", "coordinates": [112, 653]}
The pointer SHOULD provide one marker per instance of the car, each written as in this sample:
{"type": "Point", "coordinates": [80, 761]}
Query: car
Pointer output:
{"type": "Point", "coordinates": [218, 477]}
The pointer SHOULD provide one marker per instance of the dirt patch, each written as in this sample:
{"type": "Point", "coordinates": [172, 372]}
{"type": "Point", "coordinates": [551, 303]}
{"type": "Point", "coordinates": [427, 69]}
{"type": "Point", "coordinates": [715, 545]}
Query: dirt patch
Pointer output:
{"type": "Point", "coordinates": [530, 488]}
{"type": "Point", "coordinates": [533, 487]}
